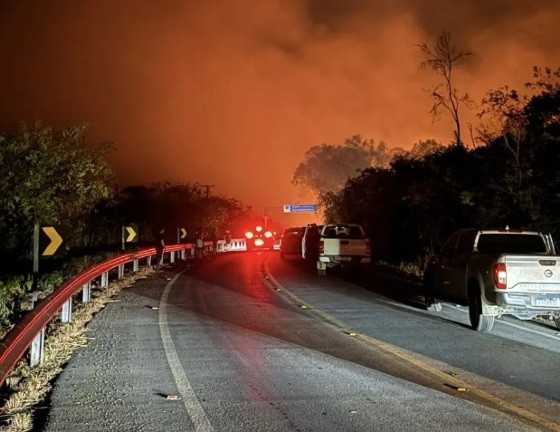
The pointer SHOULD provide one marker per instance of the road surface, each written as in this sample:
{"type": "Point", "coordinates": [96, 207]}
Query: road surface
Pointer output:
{"type": "Point", "coordinates": [247, 342]}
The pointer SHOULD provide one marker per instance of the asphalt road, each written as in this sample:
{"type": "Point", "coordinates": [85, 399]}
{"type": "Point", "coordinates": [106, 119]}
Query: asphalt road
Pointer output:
{"type": "Point", "coordinates": [246, 342]}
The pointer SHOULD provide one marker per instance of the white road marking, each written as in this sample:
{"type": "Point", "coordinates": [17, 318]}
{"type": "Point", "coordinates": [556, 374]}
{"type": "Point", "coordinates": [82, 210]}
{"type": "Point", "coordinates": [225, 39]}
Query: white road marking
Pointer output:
{"type": "Point", "coordinates": [192, 405]}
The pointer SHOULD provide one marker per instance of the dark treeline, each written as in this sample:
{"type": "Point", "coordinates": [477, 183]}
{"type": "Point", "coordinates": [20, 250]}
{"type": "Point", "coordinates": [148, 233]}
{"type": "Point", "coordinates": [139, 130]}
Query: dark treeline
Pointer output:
{"type": "Point", "coordinates": [55, 178]}
{"type": "Point", "coordinates": [511, 178]}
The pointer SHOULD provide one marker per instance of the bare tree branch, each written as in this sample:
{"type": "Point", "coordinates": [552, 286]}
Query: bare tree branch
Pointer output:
{"type": "Point", "coordinates": [442, 58]}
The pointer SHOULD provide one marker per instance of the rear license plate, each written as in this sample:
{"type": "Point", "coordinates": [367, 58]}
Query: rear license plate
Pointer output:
{"type": "Point", "coordinates": [547, 301]}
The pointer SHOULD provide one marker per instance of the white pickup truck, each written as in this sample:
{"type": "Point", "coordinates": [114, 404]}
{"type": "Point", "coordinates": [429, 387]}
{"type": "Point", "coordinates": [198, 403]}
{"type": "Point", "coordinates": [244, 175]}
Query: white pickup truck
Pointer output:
{"type": "Point", "coordinates": [342, 244]}
{"type": "Point", "coordinates": [496, 272]}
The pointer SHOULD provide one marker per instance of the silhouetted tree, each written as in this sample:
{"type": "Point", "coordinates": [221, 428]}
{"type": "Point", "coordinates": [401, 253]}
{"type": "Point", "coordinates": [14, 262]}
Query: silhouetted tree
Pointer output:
{"type": "Point", "coordinates": [327, 167]}
{"type": "Point", "coordinates": [49, 177]}
{"type": "Point", "coordinates": [443, 58]}
{"type": "Point", "coordinates": [423, 148]}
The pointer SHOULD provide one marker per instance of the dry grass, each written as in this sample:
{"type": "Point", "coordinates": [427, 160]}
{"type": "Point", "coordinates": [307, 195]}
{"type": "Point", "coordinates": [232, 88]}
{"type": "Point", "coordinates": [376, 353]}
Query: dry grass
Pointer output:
{"type": "Point", "coordinates": [29, 386]}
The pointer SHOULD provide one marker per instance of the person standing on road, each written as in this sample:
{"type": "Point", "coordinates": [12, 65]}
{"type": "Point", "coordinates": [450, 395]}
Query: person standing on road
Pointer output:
{"type": "Point", "coordinates": [199, 242]}
{"type": "Point", "coordinates": [214, 240]}
{"type": "Point", "coordinates": [160, 247]}
{"type": "Point", "coordinates": [227, 239]}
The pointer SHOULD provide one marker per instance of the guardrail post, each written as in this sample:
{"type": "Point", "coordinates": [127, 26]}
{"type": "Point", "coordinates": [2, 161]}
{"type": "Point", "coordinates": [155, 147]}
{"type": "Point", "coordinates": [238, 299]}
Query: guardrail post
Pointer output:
{"type": "Point", "coordinates": [120, 271]}
{"type": "Point", "coordinates": [105, 280]}
{"type": "Point", "coordinates": [66, 312]}
{"type": "Point", "coordinates": [192, 252]}
{"type": "Point", "coordinates": [38, 349]}
{"type": "Point", "coordinates": [86, 292]}
{"type": "Point", "coordinates": [135, 265]}
{"type": "Point", "coordinates": [149, 261]}
{"type": "Point", "coordinates": [172, 257]}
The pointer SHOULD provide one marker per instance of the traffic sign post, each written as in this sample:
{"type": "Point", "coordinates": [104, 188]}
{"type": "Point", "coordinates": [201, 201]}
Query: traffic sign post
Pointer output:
{"type": "Point", "coordinates": [46, 241]}
{"type": "Point", "coordinates": [36, 239]}
{"type": "Point", "coordinates": [54, 241]}
{"type": "Point", "coordinates": [129, 235]}
{"type": "Point", "coordinates": [181, 234]}
{"type": "Point", "coordinates": [300, 208]}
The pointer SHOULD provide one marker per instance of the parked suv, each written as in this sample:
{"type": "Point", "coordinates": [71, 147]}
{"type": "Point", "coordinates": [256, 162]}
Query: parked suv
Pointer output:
{"type": "Point", "coordinates": [290, 243]}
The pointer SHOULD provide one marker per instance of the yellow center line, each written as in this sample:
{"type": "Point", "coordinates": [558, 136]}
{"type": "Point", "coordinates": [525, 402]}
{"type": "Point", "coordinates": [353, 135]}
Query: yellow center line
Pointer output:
{"type": "Point", "coordinates": [505, 406]}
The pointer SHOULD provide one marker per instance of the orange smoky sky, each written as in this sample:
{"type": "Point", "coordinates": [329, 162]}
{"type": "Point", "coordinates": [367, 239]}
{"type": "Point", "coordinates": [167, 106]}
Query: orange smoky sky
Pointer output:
{"type": "Point", "coordinates": [233, 92]}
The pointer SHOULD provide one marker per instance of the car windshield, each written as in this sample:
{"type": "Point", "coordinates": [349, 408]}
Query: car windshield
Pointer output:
{"type": "Point", "coordinates": [511, 243]}
{"type": "Point", "coordinates": [343, 231]}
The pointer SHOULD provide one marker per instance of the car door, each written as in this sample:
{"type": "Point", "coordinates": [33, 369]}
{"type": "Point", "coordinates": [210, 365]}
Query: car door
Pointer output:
{"type": "Point", "coordinates": [442, 265]}
{"type": "Point", "coordinates": [456, 284]}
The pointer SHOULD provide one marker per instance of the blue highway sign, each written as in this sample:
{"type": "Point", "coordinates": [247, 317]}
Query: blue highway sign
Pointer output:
{"type": "Point", "coordinates": [300, 208]}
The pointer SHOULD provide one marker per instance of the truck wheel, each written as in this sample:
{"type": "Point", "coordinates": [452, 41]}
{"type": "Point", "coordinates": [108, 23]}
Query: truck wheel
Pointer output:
{"type": "Point", "coordinates": [557, 322]}
{"type": "Point", "coordinates": [321, 272]}
{"type": "Point", "coordinates": [479, 322]}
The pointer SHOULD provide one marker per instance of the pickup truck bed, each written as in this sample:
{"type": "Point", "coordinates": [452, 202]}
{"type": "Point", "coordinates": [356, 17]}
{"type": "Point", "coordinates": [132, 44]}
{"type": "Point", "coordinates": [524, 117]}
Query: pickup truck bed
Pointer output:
{"type": "Point", "coordinates": [496, 272]}
{"type": "Point", "coordinates": [342, 244]}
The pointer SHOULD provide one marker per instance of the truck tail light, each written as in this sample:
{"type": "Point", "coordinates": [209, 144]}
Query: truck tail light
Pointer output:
{"type": "Point", "coordinates": [368, 250]}
{"type": "Point", "coordinates": [321, 247]}
{"type": "Point", "coordinates": [500, 275]}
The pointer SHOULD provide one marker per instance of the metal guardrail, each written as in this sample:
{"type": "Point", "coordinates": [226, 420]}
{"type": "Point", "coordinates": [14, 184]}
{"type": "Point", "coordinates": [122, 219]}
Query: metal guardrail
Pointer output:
{"type": "Point", "coordinates": [30, 331]}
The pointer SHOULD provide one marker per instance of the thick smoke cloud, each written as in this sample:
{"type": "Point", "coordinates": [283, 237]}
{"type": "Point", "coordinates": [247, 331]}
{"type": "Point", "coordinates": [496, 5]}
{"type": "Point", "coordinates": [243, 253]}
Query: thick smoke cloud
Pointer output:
{"type": "Point", "coordinates": [233, 93]}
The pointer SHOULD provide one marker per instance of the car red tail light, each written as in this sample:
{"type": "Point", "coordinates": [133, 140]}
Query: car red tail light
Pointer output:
{"type": "Point", "coordinates": [321, 247]}
{"type": "Point", "coordinates": [268, 234]}
{"type": "Point", "coordinates": [259, 242]}
{"type": "Point", "coordinates": [249, 234]}
{"type": "Point", "coordinates": [500, 275]}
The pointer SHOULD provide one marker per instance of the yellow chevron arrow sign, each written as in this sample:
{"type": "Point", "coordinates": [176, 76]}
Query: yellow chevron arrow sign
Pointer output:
{"type": "Point", "coordinates": [131, 234]}
{"type": "Point", "coordinates": [55, 239]}
{"type": "Point", "coordinates": [183, 233]}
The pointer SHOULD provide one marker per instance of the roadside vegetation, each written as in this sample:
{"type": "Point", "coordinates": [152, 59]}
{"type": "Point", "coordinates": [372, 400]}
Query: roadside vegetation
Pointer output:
{"type": "Point", "coordinates": [56, 178]}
